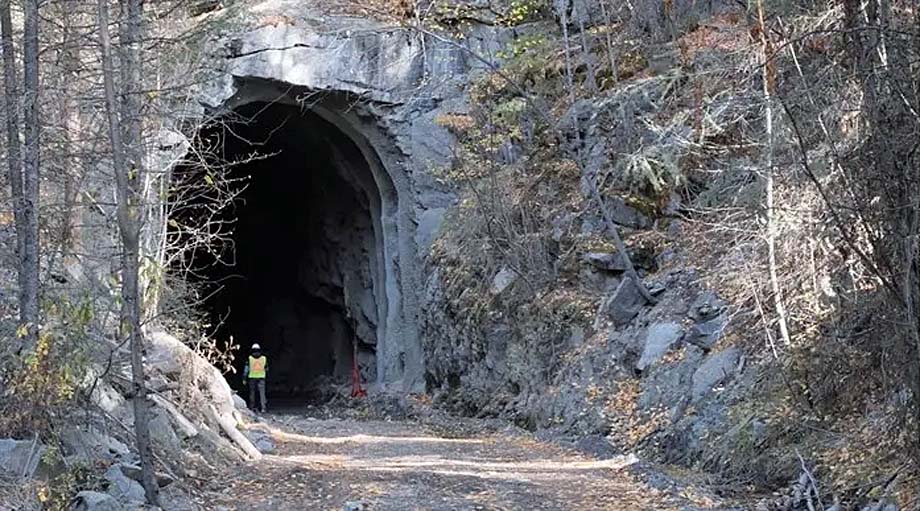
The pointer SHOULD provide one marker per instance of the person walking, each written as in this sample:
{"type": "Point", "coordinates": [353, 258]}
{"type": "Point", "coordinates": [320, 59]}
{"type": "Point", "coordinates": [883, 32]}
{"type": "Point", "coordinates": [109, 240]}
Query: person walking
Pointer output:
{"type": "Point", "coordinates": [255, 372]}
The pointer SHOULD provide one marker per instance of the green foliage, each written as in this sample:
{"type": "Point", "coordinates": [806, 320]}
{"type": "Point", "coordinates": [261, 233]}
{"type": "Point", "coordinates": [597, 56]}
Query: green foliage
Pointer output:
{"type": "Point", "coordinates": [43, 381]}
{"type": "Point", "coordinates": [522, 11]}
{"type": "Point", "coordinates": [653, 171]}
{"type": "Point", "coordinates": [526, 60]}
{"type": "Point", "coordinates": [55, 493]}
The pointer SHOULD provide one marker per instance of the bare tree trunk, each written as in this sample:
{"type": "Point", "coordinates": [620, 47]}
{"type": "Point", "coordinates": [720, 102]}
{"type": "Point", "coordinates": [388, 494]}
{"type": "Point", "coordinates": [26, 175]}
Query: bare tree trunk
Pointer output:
{"type": "Point", "coordinates": [769, 212]}
{"type": "Point", "coordinates": [127, 159]}
{"type": "Point", "coordinates": [611, 55]}
{"type": "Point", "coordinates": [591, 177]}
{"type": "Point", "coordinates": [910, 292]}
{"type": "Point", "coordinates": [14, 151]}
{"type": "Point", "coordinates": [562, 10]}
{"type": "Point", "coordinates": [70, 236]}
{"type": "Point", "coordinates": [29, 307]}
{"type": "Point", "coordinates": [586, 54]}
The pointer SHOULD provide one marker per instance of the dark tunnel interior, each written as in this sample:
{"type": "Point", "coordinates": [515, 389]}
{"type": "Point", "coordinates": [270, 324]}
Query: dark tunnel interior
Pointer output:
{"type": "Point", "coordinates": [299, 275]}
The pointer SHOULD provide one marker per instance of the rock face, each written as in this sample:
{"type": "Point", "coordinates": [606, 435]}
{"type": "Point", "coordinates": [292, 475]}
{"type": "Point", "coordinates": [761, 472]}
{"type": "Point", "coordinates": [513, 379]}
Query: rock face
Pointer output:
{"type": "Point", "coordinates": [192, 412]}
{"type": "Point", "coordinates": [122, 487]}
{"type": "Point", "coordinates": [624, 304]}
{"type": "Point", "coordinates": [95, 501]}
{"type": "Point", "coordinates": [637, 377]}
{"type": "Point", "coordinates": [706, 333]}
{"type": "Point", "coordinates": [660, 339]}
{"type": "Point", "coordinates": [20, 458]}
{"type": "Point", "coordinates": [717, 368]}
{"type": "Point", "coordinates": [373, 84]}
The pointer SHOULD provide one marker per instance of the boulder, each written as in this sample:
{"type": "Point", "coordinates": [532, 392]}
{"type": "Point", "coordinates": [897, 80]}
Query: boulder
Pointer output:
{"type": "Point", "coordinates": [605, 261]}
{"type": "Point", "coordinates": [184, 425]}
{"type": "Point", "coordinates": [715, 369]}
{"type": "Point", "coordinates": [122, 487]}
{"type": "Point", "coordinates": [162, 433]}
{"type": "Point", "coordinates": [612, 262]}
{"type": "Point", "coordinates": [106, 397]}
{"type": "Point", "coordinates": [261, 439]}
{"type": "Point", "coordinates": [239, 402]}
{"type": "Point", "coordinates": [95, 501]}
{"type": "Point", "coordinates": [92, 443]}
{"type": "Point", "coordinates": [624, 304]}
{"type": "Point", "coordinates": [265, 445]}
{"type": "Point", "coordinates": [134, 472]}
{"type": "Point", "coordinates": [706, 306]}
{"type": "Point", "coordinates": [707, 333]}
{"type": "Point", "coordinates": [658, 341]}
{"type": "Point", "coordinates": [20, 458]}
{"type": "Point", "coordinates": [626, 215]}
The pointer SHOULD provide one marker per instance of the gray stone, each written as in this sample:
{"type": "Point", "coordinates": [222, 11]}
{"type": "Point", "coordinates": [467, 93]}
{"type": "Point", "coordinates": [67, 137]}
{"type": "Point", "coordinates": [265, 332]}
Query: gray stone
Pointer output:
{"type": "Point", "coordinates": [502, 280]}
{"type": "Point", "coordinates": [670, 388]}
{"type": "Point", "coordinates": [106, 397]}
{"type": "Point", "coordinates": [716, 368]}
{"type": "Point", "coordinates": [605, 261]}
{"type": "Point", "coordinates": [134, 472]}
{"type": "Point", "coordinates": [93, 444]}
{"type": "Point", "coordinates": [262, 439]}
{"type": "Point", "coordinates": [669, 257]}
{"type": "Point", "coordinates": [20, 457]}
{"type": "Point", "coordinates": [122, 487]}
{"type": "Point", "coordinates": [199, 7]}
{"type": "Point", "coordinates": [239, 402]}
{"type": "Point", "coordinates": [576, 337]}
{"type": "Point", "coordinates": [265, 445]}
{"type": "Point", "coordinates": [597, 446]}
{"type": "Point", "coordinates": [626, 215]}
{"type": "Point", "coordinates": [624, 304]}
{"type": "Point", "coordinates": [175, 498]}
{"type": "Point", "coordinates": [429, 222]}
{"type": "Point", "coordinates": [706, 334]}
{"type": "Point", "coordinates": [95, 501]}
{"type": "Point", "coordinates": [357, 505]}
{"type": "Point", "coordinates": [162, 433]}
{"type": "Point", "coordinates": [706, 306]}
{"type": "Point", "coordinates": [883, 505]}
{"type": "Point", "coordinates": [608, 261]}
{"type": "Point", "coordinates": [658, 341]}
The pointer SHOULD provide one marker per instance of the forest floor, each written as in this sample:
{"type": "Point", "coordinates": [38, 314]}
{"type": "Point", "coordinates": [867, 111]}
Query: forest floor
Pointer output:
{"type": "Point", "coordinates": [335, 463]}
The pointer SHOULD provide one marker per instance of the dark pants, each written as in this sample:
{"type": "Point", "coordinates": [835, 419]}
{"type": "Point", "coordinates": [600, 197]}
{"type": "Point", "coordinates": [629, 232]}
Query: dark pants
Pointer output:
{"type": "Point", "coordinates": [260, 384]}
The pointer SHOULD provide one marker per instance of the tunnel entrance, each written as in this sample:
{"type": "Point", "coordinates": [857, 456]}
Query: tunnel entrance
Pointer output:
{"type": "Point", "coordinates": [305, 270]}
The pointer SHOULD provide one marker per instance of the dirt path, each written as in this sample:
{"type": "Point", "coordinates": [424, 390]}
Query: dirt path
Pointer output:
{"type": "Point", "coordinates": [324, 464]}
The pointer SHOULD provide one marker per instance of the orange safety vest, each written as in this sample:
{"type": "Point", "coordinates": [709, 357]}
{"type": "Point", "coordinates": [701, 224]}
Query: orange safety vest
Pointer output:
{"type": "Point", "coordinates": [257, 367]}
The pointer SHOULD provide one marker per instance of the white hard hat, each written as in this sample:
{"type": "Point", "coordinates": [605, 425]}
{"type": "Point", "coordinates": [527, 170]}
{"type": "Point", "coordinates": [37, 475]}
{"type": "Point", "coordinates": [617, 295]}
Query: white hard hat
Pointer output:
{"type": "Point", "coordinates": [256, 347]}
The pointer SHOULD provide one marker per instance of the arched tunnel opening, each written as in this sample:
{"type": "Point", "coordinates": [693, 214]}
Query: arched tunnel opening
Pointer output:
{"type": "Point", "coordinates": [303, 271]}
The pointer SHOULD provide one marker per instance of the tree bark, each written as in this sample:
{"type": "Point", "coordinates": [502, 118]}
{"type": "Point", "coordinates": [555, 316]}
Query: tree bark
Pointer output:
{"type": "Point", "coordinates": [29, 306]}
{"type": "Point", "coordinates": [769, 209]}
{"type": "Point", "coordinates": [611, 55]}
{"type": "Point", "coordinates": [126, 139]}
{"type": "Point", "coordinates": [71, 64]}
{"type": "Point", "coordinates": [14, 151]}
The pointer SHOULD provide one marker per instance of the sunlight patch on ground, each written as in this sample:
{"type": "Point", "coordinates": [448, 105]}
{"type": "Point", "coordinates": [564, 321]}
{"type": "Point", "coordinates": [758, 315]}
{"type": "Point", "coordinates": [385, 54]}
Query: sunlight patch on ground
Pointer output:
{"type": "Point", "coordinates": [535, 470]}
{"type": "Point", "coordinates": [371, 439]}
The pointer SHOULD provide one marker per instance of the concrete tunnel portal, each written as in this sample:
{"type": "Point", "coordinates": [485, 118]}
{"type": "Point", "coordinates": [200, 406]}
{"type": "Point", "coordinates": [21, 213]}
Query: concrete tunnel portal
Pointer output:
{"type": "Point", "coordinates": [312, 272]}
